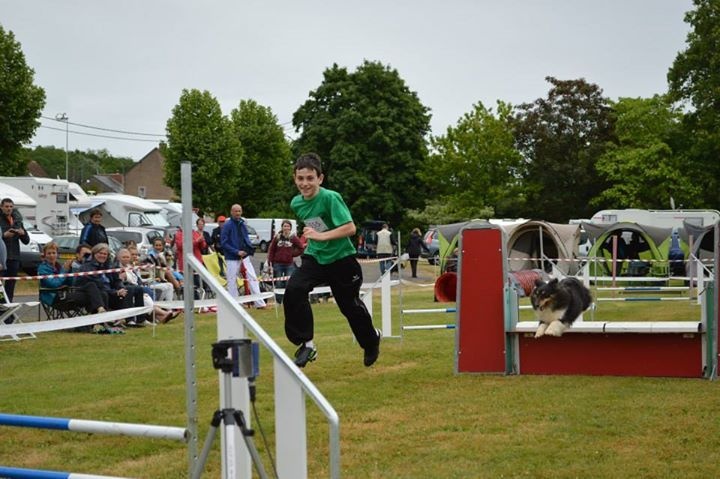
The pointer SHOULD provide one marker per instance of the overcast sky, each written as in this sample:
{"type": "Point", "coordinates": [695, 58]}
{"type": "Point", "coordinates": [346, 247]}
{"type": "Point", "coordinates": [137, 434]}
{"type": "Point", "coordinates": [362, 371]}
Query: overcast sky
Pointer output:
{"type": "Point", "coordinates": [121, 65]}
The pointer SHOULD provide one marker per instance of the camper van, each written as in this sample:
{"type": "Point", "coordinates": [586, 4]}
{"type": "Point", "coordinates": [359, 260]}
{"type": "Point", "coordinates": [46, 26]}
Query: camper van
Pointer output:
{"type": "Point", "coordinates": [172, 211]}
{"type": "Point", "coordinates": [126, 210]}
{"type": "Point", "coordinates": [29, 253]}
{"type": "Point", "coordinates": [267, 228]}
{"type": "Point", "coordinates": [52, 211]}
{"type": "Point", "coordinates": [658, 218]}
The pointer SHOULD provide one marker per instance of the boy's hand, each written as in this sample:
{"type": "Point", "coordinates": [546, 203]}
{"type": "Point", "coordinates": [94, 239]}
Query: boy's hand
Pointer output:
{"type": "Point", "coordinates": [310, 233]}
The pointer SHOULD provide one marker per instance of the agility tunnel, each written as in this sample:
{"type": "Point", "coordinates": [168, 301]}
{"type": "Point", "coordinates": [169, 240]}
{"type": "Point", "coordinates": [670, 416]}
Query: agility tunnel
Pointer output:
{"type": "Point", "coordinates": [490, 339]}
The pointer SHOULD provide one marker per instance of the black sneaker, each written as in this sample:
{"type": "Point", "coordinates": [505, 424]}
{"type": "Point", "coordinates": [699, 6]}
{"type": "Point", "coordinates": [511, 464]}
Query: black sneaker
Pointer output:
{"type": "Point", "coordinates": [371, 354]}
{"type": "Point", "coordinates": [304, 355]}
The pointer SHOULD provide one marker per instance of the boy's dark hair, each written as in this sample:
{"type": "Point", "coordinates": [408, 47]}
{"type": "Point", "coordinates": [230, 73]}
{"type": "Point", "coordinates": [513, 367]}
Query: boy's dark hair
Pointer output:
{"type": "Point", "coordinates": [81, 246]}
{"type": "Point", "coordinates": [95, 211]}
{"type": "Point", "coordinates": [9, 200]}
{"type": "Point", "coordinates": [311, 161]}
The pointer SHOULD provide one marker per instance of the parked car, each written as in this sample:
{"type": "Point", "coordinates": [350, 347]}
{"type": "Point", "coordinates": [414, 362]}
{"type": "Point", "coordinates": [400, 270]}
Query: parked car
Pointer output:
{"type": "Point", "coordinates": [432, 241]}
{"type": "Point", "coordinates": [367, 238]}
{"type": "Point", "coordinates": [143, 237]}
{"type": "Point", "coordinates": [67, 244]}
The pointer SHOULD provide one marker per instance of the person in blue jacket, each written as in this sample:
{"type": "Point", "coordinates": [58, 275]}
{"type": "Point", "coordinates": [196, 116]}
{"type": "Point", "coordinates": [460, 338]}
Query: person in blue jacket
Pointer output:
{"type": "Point", "coordinates": [238, 251]}
{"type": "Point", "coordinates": [94, 232]}
{"type": "Point", "coordinates": [51, 293]}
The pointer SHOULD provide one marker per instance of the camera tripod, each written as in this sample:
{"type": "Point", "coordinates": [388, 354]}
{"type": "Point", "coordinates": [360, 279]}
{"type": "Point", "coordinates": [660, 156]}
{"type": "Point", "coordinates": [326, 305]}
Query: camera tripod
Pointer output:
{"type": "Point", "coordinates": [238, 364]}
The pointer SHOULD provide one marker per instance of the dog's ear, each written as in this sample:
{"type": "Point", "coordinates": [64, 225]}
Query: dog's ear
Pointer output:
{"type": "Point", "coordinates": [539, 282]}
{"type": "Point", "coordinates": [553, 282]}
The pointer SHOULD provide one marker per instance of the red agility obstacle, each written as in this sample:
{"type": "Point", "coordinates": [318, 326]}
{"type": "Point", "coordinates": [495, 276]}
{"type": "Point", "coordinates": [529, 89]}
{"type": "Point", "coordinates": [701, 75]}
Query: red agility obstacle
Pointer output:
{"type": "Point", "coordinates": [490, 339]}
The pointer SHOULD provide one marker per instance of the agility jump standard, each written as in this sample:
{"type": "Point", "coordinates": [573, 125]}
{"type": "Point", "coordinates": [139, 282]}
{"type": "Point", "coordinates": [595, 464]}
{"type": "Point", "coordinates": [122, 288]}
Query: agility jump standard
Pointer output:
{"type": "Point", "coordinates": [489, 338]}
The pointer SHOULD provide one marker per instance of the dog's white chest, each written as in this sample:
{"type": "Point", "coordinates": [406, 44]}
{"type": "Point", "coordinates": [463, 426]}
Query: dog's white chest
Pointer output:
{"type": "Point", "coordinates": [547, 315]}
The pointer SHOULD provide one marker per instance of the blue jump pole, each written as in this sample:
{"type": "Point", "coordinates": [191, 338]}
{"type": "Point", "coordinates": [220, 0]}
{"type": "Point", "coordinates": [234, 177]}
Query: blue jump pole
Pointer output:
{"type": "Point", "coordinates": [94, 427]}
{"type": "Point", "coordinates": [18, 473]}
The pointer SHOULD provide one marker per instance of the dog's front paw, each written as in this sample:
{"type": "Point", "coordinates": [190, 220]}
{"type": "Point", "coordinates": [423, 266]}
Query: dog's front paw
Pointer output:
{"type": "Point", "coordinates": [556, 328]}
{"type": "Point", "coordinates": [541, 330]}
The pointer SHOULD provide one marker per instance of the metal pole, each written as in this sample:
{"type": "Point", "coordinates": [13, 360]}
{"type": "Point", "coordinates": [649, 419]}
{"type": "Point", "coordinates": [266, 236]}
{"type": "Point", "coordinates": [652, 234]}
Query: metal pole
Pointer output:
{"type": "Point", "coordinates": [65, 118]}
{"type": "Point", "coordinates": [190, 372]}
{"type": "Point", "coordinates": [67, 169]}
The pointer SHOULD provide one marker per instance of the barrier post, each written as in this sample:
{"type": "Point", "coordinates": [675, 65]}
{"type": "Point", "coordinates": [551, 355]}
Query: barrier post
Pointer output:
{"type": "Point", "coordinates": [385, 301]}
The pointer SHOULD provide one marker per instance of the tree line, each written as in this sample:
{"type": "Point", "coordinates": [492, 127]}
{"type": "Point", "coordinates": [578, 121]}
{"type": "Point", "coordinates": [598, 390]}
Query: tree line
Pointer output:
{"type": "Point", "coordinates": [565, 155]}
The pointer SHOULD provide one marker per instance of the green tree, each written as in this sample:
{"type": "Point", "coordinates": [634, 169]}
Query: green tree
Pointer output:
{"type": "Point", "coordinates": [21, 103]}
{"type": "Point", "coordinates": [370, 131]}
{"type": "Point", "coordinates": [199, 133]}
{"type": "Point", "coordinates": [694, 80]}
{"type": "Point", "coordinates": [561, 137]}
{"type": "Point", "coordinates": [81, 164]}
{"type": "Point", "coordinates": [265, 184]}
{"type": "Point", "coordinates": [642, 169]}
{"type": "Point", "coordinates": [473, 168]}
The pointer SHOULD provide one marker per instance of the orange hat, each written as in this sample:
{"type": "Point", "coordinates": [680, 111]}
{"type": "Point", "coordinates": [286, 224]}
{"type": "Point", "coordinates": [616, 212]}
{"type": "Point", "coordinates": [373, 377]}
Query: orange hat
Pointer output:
{"type": "Point", "coordinates": [221, 219]}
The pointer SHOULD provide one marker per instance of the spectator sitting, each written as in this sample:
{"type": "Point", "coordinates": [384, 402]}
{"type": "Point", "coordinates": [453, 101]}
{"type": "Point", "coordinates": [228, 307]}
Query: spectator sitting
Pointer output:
{"type": "Point", "coordinates": [131, 279]}
{"type": "Point", "coordinates": [87, 296]}
{"type": "Point", "coordinates": [83, 252]}
{"type": "Point", "coordinates": [118, 295]}
{"type": "Point", "coordinates": [162, 270]}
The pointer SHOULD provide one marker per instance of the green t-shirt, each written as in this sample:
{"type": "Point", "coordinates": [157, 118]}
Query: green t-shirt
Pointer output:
{"type": "Point", "coordinates": [325, 211]}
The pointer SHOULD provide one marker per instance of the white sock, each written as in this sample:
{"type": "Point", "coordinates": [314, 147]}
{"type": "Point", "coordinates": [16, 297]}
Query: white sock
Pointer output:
{"type": "Point", "coordinates": [310, 344]}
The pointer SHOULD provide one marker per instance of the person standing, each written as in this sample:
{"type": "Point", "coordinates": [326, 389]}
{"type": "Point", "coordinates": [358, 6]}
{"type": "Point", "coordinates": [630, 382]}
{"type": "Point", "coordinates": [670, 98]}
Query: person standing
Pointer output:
{"type": "Point", "coordinates": [198, 244]}
{"type": "Point", "coordinates": [384, 247]}
{"type": "Point", "coordinates": [94, 232]}
{"type": "Point", "coordinates": [328, 259]}
{"type": "Point", "coordinates": [238, 251]}
{"type": "Point", "coordinates": [200, 223]}
{"type": "Point", "coordinates": [216, 246]}
{"type": "Point", "coordinates": [13, 233]}
{"type": "Point", "coordinates": [284, 247]}
{"type": "Point", "coordinates": [414, 248]}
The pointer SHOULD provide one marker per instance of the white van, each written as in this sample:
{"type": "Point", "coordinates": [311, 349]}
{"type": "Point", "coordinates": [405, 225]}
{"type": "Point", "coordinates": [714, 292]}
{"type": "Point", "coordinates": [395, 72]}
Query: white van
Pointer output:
{"type": "Point", "coordinates": [266, 228]}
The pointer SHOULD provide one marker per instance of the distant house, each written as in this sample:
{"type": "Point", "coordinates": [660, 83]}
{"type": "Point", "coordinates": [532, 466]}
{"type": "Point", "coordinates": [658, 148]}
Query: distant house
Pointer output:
{"type": "Point", "coordinates": [34, 169]}
{"type": "Point", "coordinates": [145, 178]}
{"type": "Point", "coordinates": [105, 183]}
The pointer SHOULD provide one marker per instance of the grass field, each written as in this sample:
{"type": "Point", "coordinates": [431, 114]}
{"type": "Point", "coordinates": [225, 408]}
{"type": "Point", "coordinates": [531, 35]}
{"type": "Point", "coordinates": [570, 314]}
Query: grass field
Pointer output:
{"type": "Point", "coordinates": [409, 416]}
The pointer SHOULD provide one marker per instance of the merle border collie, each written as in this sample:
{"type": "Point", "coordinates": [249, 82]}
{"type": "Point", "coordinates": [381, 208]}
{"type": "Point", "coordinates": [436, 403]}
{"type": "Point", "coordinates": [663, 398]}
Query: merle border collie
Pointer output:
{"type": "Point", "coordinates": [558, 303]}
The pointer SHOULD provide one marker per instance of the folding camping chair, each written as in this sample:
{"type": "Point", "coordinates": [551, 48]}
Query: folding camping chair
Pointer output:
{"type": "Point", "coordinates": [10, 310]}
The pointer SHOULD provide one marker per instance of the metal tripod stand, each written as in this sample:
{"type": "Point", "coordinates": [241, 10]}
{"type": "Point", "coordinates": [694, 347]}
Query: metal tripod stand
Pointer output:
{"type": "Point", "coordinates": [237, 363]}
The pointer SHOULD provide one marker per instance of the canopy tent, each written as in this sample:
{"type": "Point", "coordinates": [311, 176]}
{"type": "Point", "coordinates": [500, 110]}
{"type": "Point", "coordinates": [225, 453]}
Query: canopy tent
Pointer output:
{"type": "Point", "coordinates": [530, 244]}
{"type": "Point", "coordinates": [703, 244]}
{"type": "Point", "coordinates": [649, 246]}
{"type": "Point", "coordinates": [535, 244]}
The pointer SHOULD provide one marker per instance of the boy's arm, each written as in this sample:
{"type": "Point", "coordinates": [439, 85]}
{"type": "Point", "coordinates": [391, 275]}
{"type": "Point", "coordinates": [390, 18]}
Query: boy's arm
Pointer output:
{"type": "Point", "coordinates": [342, 231]}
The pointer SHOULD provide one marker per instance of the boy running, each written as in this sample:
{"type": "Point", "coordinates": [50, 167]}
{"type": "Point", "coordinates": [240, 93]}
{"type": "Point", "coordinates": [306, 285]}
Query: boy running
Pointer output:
{"type": "Point", "coordinates": [328, 259]}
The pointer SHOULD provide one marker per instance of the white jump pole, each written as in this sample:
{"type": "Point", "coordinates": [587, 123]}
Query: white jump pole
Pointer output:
{"type": "Point", "coordinates": [95, 427]}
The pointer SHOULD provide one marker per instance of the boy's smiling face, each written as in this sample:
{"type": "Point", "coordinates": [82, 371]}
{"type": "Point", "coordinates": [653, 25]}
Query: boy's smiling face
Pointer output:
{"type": "Point", "coordinates": [308, 182]}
